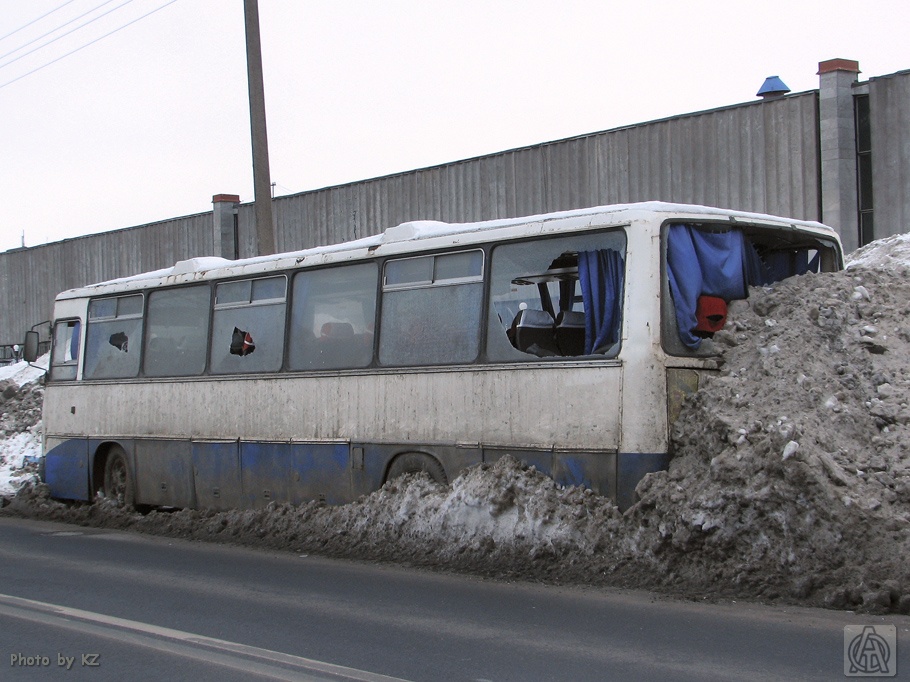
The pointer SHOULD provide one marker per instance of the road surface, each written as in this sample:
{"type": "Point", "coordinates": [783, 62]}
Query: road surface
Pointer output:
{"type": "Point", "coordinates": [79, 603]}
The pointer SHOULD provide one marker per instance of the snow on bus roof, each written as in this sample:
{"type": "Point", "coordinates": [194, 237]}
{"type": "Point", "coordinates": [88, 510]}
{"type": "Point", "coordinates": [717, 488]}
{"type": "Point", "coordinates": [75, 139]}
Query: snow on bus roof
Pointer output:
{"type": "Point", "coordinates": [426, 229]}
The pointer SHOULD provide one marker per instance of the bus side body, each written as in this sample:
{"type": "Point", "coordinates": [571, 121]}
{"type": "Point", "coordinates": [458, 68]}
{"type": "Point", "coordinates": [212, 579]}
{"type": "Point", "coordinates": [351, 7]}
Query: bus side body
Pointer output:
{"type": "Point", "coordinates": [280, 381]}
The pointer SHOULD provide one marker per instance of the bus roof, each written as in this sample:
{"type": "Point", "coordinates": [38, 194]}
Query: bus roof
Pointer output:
{"type": "Point", "coordinates": [400, 239]}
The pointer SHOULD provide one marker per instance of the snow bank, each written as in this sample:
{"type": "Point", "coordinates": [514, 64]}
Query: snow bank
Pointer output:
{"type": "Point", "coordinates": [791, 474]}
{"type": "Point", "coordinates": [890, 252]}
{"type": "Point", "coordinates": [22, 373]}
{"type": "Point", "coordinates": [21, 397]}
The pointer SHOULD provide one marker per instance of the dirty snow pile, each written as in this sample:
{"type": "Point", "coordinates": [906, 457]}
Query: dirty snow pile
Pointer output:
{"type": "Point", "coordinates": [21, 397]}
{"type": "Point", "coordinates": [790, 478]}
{"type": "Point", "coordinates": [791, 474]}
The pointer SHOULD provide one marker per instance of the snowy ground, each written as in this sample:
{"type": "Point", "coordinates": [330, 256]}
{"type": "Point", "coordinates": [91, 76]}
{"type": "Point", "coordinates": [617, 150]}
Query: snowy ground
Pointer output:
{"type": "Point", "coordinates": [790, 479]}
{"type": "Point", "coordinates": [20, 426]}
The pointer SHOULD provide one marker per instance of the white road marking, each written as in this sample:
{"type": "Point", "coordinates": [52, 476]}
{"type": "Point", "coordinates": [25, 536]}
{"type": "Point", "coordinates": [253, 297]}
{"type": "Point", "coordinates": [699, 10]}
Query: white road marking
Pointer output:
{"type": "Point", "coordinates": [250, 659]}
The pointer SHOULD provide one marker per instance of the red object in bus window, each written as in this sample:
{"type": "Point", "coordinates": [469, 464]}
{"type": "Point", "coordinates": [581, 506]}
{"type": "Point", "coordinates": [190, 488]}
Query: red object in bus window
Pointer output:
{"type": "Point", "coordinates": [242, 343]}
{"type": "Point", "coordinates": [710, 314]}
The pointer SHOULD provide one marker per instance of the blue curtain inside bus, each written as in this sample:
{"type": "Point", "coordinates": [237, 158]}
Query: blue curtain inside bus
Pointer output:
{"type": "Point", "coordinates": [719, 264]}
{"type": "Point", "coordinates": [600, 274]}
{"type": "Point", "coordinates": [781, 264]}
{"type": "Point", "coordinates": [722, 264]}
{"type": "Point", "coordinates": [75, 336]}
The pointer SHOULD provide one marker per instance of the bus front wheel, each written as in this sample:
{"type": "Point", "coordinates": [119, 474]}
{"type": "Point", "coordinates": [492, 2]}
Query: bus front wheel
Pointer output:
{"type": "Point", "coordinates": [416, 462]}
{"type": "Point", "coordinates": [118, 481]}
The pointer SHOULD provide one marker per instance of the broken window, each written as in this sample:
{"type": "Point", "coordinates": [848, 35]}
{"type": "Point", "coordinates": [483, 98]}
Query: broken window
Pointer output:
{"type": "Point", "coordinates": [557, 297]}
{"type": "Point", "coordinates": [431, 309]}
{"type": "Point", "coordinates": [707, 266]}
{"type": "Point", "coordinates": [177, 332]}
{"type": "Point", "coordinates": [113, 337]}
{"type": "Point", "coordinates": [248, 325]}
{"type": "Point", "coordinates": [333, 318]}
{"type": "Point", "coordinates": [65, 356]}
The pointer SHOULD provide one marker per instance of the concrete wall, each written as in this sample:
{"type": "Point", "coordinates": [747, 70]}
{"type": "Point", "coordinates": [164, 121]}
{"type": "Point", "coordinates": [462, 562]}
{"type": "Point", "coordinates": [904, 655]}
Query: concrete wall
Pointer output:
{"type": "Point", "coordinates": [760, 156]}
{"type": "Point", "coordinates": [31, 278]}
{"type": "Point", "coordinates": [889, 109]}
{"type": "Point", "coordinates": [757, 156]}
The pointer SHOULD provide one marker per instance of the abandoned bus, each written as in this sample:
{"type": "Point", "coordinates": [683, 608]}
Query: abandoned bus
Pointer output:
{"type": "Point", "coordinates": [567, 340]}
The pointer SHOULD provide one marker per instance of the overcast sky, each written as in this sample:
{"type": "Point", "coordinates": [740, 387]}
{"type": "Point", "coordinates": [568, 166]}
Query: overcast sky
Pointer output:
{"type": "Point", "coordinates": [150, 121]}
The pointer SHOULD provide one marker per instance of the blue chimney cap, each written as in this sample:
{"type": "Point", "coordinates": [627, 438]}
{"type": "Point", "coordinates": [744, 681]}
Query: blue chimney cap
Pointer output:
{"type": "Point", "coordinates": [773, 86]}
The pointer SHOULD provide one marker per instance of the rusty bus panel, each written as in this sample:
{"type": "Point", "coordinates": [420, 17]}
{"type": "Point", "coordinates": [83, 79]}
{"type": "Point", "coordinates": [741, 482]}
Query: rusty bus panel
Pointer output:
{"type": "Point", "coordinates": [216, 471]}
{"type": "Point", "coordinates": [164, 473]}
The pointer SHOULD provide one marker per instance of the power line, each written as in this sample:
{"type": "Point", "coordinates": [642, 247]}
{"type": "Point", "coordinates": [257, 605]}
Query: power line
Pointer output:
{"type": "Point", "coordinates": [54, 30]}
{"type": "Point", "coordinates": [62, 35]}
{"type": "Point", "coordinates": [35, 20]}
{"type": "Point", "coordinates": [53, 61]}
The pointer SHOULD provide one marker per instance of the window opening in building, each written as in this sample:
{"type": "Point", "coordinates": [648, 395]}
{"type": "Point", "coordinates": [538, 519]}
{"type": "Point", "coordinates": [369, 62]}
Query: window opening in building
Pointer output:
{"type": "Point", "coordinates": [864, 168]}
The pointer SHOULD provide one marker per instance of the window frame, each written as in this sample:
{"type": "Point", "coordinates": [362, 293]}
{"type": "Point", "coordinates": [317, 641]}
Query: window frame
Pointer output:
{"type": "Point", "coordinates": [539, 239]}
{"type": "Point", "coordinates": [483, 250]}
{"type": "Point", "coordinates": [434, 281]}
{"type": "Point", "coordinates": [79, 324]}
{"type": "Point", "coordinates": [251, 302]}
{"type": "Point", "coordinates": [182, 287]}
{"type": "Point", "coordinates": [106, 319]}
{"type": "Point", "coordinates": [292, 305]}
{"type": "Point", "coordinates": [670, 342]}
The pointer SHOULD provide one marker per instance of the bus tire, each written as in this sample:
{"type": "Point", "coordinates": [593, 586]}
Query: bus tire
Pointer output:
{"type": "Point", "coordinates": [416, 462]}
{"type": "Point", "coordinates": [118, 479]}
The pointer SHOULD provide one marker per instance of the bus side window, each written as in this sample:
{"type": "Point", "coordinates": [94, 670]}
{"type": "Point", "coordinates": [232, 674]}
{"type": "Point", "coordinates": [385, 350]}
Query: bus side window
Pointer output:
{"type": "Point", "coordinates": [333, 317]}
{"type": "Point", "coordinates": [65, 356]}
{"type": "Point", "coordinates": [557, 297]}
{"type": "Point", "coordinates": [431, 310]}
{"type": "Point", "coordinates": [177, 333]}
{"type": "Point", "coordinates": [113, 337]}
{"type": "Point", "coordinates": [248, 325]}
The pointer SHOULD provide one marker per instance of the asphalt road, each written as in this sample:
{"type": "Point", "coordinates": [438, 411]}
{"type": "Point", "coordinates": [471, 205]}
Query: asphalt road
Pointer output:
{"type": "Point", "coordinates": [78, 603]}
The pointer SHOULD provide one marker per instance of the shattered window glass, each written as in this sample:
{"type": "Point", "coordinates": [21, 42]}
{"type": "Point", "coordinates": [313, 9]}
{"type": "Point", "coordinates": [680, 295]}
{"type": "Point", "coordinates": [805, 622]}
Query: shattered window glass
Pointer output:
{"type": "Point", "coordinates": [248, 325]}
{"type": "Point", "coordinates": [113, 337]}
{"type": "Point", "coordinates": [538, 304]}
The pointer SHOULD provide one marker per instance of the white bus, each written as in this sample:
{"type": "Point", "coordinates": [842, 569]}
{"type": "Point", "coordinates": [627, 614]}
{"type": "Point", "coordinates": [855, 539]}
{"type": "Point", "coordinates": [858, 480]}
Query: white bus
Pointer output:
{"type": "Point", "coordinates": [567, 340]}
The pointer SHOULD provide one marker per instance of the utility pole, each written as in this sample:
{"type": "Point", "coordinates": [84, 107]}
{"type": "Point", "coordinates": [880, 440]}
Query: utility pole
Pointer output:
{"type": "Point", "coordinates": [265, 230]}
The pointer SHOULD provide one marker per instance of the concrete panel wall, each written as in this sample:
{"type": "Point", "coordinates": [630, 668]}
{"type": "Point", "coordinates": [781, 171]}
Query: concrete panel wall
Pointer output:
{"type": "Point", "coordinates": [760, 156]}
{"type": "Point", "coordinates": [31, 278]}
{"type": "Point", "coordinates": [889, 109]}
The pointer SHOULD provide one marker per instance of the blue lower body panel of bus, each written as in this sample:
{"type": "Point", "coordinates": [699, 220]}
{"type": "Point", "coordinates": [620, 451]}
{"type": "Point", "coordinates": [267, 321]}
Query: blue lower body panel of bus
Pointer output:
{"type": "Point", "coordinates": [235, 474]}
{"type": "Point", "coordinates": [67, 470]}
{"type": "Point", "coordinates": [631, 467]}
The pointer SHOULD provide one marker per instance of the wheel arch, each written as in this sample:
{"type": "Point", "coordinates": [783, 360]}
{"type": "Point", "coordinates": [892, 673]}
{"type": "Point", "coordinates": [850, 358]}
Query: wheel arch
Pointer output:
{"type": "Point", "coordinates": [99, 460]}
{"type": "Point", "coordinates": [413, 461]}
